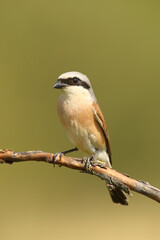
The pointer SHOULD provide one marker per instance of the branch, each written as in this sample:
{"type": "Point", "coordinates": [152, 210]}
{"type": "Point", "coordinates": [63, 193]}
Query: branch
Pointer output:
{"type": "Point", "coordinates": [112, 176]}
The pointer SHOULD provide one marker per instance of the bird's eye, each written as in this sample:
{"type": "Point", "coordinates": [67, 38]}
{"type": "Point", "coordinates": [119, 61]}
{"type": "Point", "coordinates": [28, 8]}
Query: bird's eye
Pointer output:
{"type": "Point", "coordinates": [75, 79]}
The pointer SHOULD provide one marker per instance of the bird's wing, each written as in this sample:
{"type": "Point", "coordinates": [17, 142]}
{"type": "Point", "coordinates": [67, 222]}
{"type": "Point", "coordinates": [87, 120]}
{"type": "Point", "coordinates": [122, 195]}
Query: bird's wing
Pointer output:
{"type": "Point", "coordinates": [100, 119]}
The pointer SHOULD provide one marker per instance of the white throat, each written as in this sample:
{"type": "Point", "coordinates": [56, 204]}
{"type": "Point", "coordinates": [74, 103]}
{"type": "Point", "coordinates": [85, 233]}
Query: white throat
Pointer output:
{"type": "Point", "coordinates": [76, 93]}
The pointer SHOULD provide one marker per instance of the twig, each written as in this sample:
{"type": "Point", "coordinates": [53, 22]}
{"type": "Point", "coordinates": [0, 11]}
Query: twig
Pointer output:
{"type": "Point", "coordinates": [111, 175]}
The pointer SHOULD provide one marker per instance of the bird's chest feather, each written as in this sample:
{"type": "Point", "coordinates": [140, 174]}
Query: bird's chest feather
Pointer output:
{"type": "Point", "coordinates": [78, 119]}
{"type": "Point", "coordinates": [73, 111]}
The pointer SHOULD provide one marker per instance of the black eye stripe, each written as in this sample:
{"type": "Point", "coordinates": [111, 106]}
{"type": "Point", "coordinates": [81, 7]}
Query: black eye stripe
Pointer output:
{"type": "Point", "coordinates": [75, 81]}
{"type": "Point", "coordinates": [70, 81]}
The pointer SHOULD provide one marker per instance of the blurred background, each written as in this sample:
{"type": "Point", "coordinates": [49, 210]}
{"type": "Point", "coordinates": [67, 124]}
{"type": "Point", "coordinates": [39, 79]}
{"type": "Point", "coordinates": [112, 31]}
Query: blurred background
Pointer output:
{"type": "Point", "coordinates": [117, 45]}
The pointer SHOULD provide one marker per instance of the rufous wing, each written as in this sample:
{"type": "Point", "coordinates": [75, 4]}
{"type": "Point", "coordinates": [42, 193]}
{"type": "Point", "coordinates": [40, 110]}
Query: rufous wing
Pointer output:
{"type": "Point", "coordinates": [100, 120]}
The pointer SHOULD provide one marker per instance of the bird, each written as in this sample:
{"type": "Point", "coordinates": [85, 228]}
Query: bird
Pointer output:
{"type": "Point", "coordinates": [84, 123]}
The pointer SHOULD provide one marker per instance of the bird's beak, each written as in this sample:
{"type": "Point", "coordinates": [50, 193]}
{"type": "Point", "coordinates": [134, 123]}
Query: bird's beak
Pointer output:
{"type": "Point", "coordinates": [59, 85]}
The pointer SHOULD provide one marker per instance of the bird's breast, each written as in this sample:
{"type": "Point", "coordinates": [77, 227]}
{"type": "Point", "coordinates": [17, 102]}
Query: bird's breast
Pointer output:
{"type": "Point", "coordinates": [73, 109]}
{"type": "Point", "coordinates": [79, 122]}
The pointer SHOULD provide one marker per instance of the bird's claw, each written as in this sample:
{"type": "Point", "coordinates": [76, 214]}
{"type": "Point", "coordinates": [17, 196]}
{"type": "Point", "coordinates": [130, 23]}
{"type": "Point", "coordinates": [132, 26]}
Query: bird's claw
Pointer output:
{"type": "Point", "coordinates": [93, 162]}
{"type": "Point", "coordinates": [89, 164]}
{"type": "Point", "coordinates": [56, 156]}
{"type": "Point", "coordinates": [98, 163]}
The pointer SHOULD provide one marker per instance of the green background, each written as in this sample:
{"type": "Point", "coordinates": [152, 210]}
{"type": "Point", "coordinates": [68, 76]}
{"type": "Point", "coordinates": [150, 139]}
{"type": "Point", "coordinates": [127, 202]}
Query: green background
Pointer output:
{"type": "Point", "coordinates": [116, 44]}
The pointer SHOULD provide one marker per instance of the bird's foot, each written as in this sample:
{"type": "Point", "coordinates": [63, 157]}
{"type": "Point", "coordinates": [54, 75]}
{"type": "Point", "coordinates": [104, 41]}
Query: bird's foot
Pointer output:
{"type": "Point", "coordinates": [93, 162]}
{"type": "Point", "coordinates": [56, 156]}
{"type": "Point", "coordinates": [96, 162]}
{"type": "Point", "coordinates": [60, 154]}
{"type": "Point", "coordinates": [89, 163]}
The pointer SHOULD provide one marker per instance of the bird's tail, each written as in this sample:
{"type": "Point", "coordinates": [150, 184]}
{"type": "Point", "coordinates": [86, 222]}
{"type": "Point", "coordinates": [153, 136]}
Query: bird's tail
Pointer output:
{"type": "Point", "coordinates": [117, 195]}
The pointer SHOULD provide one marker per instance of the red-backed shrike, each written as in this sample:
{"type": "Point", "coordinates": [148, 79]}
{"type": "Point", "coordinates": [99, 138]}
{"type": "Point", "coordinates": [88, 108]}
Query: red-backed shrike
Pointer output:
{"type": "Point", "coordinates": [84, 122]}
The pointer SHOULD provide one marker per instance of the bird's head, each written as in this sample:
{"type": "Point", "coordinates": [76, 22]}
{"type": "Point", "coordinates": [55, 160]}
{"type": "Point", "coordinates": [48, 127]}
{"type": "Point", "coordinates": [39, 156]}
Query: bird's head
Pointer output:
{"type": "Point", "coordinates": [75, 82]}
